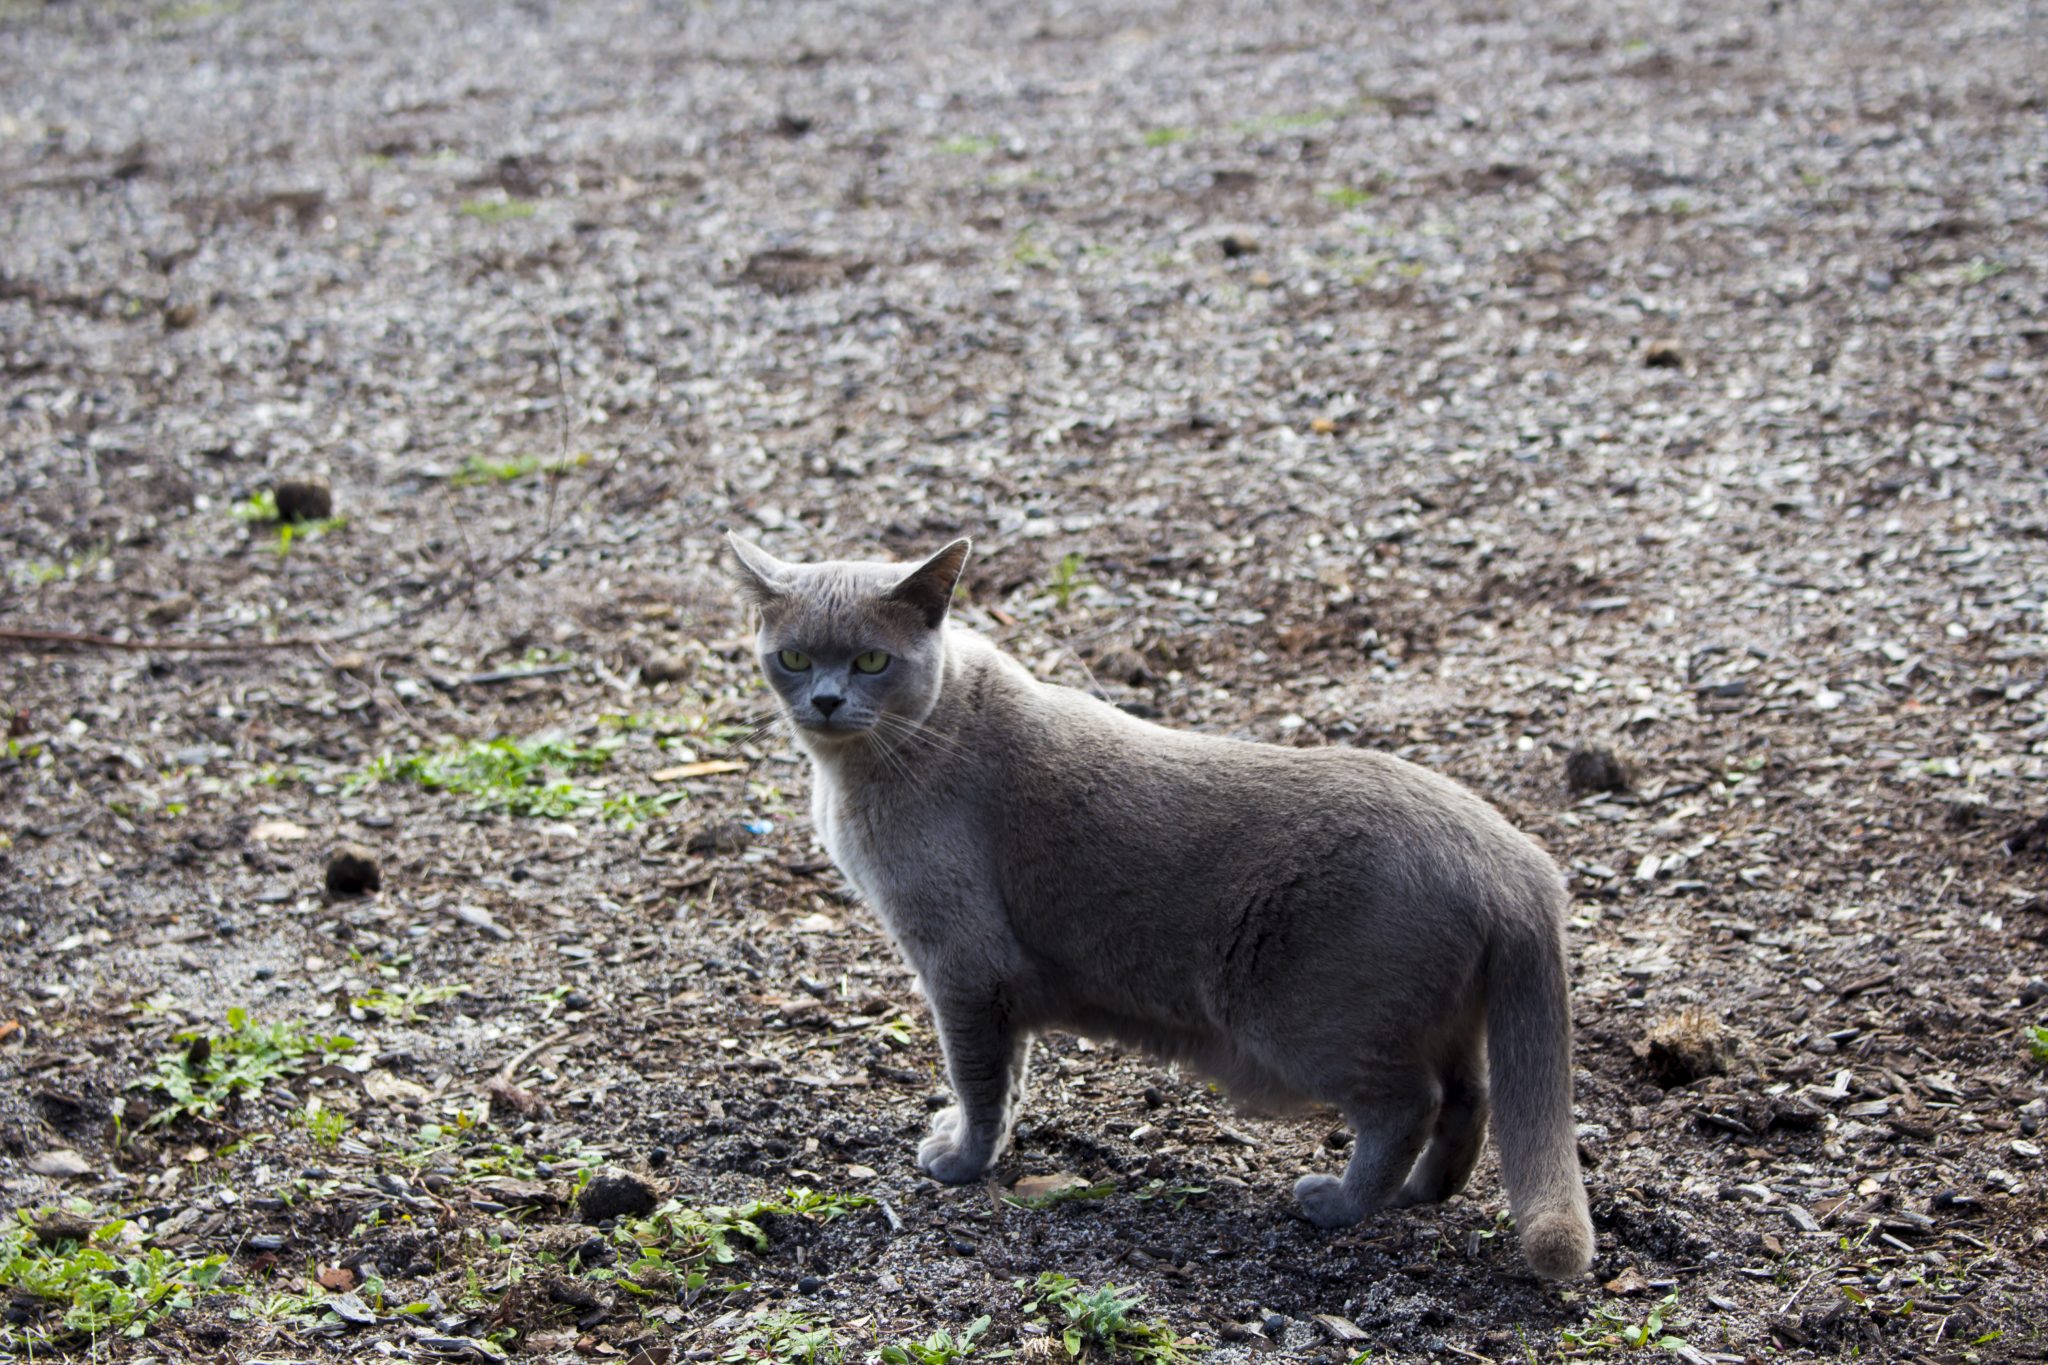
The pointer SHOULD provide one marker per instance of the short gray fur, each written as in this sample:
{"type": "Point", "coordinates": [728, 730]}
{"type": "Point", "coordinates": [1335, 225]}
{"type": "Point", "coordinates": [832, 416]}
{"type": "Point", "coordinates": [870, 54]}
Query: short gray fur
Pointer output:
{"type": "Point", "coordinates": [1329, 924]}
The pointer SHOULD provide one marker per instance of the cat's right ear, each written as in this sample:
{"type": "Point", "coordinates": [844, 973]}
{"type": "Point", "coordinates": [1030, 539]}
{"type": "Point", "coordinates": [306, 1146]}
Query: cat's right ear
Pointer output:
{"type": "Point", "coordinates": [929, 586]}
{"type": "Point", "coordinates": [761, 576]}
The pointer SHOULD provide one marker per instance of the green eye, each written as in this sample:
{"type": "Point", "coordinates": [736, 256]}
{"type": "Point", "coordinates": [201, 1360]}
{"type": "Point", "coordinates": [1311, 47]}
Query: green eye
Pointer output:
{"type": "Point", "coordinates": [874, 661]}
{"type": "Point", "coordinates": [793, 661]}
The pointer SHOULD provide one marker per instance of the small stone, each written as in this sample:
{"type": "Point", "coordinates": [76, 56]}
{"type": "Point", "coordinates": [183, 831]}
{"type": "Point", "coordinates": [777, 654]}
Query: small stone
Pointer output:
{"type": "Point", "coordinates": [57, 1227]}
{"type": "Point", "coordinates": [809, 1284]}
{"type": "Point", "coordinates": [1238, 243]}
{"type": "Point", "coordinates": [59, 1163]}
{"type": "Point", "coordinates": [1596, 768]}
{"type": "Point", "coordinates": [306, 499]}
{"type": "Point", "coordinates": [352, 871]}
{"type": "Point", "coordinates": [1274, 1326]}
{"type": "Point", "coordinates": [1664, 354]}
{"type": "Point", "coordinates": [613, 1193]}
{"type": "Point", "coordinates": [728, 837]}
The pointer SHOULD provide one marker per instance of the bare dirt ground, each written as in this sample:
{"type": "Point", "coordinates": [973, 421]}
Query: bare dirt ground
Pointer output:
{"type": "Point", "coordinates": [1475, 381]}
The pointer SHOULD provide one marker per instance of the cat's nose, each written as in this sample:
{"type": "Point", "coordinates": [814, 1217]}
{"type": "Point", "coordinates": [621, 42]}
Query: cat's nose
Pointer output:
{"type": "Point", "coordinates": [826, 703]}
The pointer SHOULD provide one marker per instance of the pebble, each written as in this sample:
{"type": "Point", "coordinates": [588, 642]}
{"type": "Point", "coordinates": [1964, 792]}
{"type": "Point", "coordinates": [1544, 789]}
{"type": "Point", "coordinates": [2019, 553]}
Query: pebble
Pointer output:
{"type": "Point", "coordinates": [1664, 354]}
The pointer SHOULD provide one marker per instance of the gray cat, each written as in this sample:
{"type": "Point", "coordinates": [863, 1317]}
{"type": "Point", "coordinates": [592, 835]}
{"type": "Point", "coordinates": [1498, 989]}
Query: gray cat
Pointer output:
{"type": "Point", "coordinates": [1324, 924]}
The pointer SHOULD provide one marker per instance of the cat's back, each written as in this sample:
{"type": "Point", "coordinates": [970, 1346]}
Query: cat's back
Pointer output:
{"type": "Point", "coordinates": [1070, 771]}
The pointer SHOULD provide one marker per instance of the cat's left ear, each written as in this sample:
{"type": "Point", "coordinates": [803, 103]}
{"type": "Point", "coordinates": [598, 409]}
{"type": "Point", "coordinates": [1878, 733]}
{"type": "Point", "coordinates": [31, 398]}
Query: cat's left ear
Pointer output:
{"type": "Point", "coordinates": [929, 587]}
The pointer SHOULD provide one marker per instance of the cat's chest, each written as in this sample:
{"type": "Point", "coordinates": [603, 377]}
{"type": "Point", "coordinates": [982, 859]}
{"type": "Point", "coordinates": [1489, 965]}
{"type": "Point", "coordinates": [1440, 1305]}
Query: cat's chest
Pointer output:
{"type": "Point", "coordinates": [854, 834]}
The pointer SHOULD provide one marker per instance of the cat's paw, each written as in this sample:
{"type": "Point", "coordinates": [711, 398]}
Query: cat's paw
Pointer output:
{"type": "Point", "coordinates": [1324, 1203]}
{"type": "Point", "coordinates": [946, 1159]}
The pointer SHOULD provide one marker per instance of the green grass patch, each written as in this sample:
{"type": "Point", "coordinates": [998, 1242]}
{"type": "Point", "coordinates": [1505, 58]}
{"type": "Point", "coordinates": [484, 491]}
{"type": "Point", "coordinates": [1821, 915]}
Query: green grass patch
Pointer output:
{"type": "Point", "coordinates": [1029, 252]}
{"type": "Point", "coordinates": [1167, 137]}
{"type": "Point", "coordinates": [942, 1347]}
{"type": "Point", "coordinates": [495, 211]}
{"type": "Point", "coordinates": [211, 1071]}
{"type": "Point", "coordinates": [681, 1246]}
{"type": "Point", "coordinates": [528, 777]}
{"type": "Point", "coordinates": [968, 146]}
{"type": "Point", "coordinates": [41, 573]}
{"type": "Point", "coordinates": [1612, 1327]}
{"type": "Point", "coordinates": [66, 1289]}
{"type": "Point", "coordinates": [405, 1004]}
{"type": "Point", "coordinates": [476, 470]}
{"type": "Point", "coordinates": [786, 1335]}
{"type": "Point", "coordinates": [1103, 1321]}
{"type": "Point", "coordinates": [2037, 1043]}
{"type": "Point", "coordinates": [260, 509]}
{"type": "Point", "coordinates": [1347, 196]}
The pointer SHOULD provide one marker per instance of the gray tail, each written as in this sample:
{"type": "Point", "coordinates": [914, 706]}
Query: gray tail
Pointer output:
{"type": "Point", "coordinates": [1529, 1076]}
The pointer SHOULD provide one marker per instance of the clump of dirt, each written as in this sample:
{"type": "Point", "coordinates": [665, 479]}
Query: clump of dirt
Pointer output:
{"type": "Point", "coordinates": [1596, 768]}
{"type": "Point", "coordinates": [1686, 1047]}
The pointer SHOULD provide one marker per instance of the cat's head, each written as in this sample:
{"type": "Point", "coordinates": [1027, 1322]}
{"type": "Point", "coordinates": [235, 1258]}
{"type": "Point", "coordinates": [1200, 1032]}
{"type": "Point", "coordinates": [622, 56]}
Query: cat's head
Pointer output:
{"type": "Point", "coordinates": [850, 647]}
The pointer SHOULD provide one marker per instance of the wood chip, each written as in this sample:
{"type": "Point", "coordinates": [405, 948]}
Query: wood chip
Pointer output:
{"type": "Point", "coordinates": [707, 768]}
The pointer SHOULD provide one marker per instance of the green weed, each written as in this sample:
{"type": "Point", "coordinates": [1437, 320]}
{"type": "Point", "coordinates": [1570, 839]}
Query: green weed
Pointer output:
{"type": "Point", "coordinates": [684, 1243]}
{"type": "Point", "coordinates": [1980, 270]}
{"type": "Point", "coordinates": [41, 573]}
{"type": "Point", "coordinates": [1166, 137]}
{"type": "Point", "coordinates": [1067, 579]}
{"type": "Point", "coordinates": [477, 470]}
{"type": "Point", "coordinates": [405, 1004]}
{"type": "Point", "coordinates": [325, 1126]}
{"type": "Point", "coordinates": [786, 1335]}
{"type": "Point", "coordinates": [494, 211]}
{"type": "Point", "coordinates": [1028, 252]}
{"type": "Point", "coordinates": [2037, 1043]}
{"type": "Point", "coordinates": [208, 1072]}
{"type": "Point", "coordinates": [98, 1285]}
{"type": "Point", "coordinates": [1348, 196]}
{"type": "Point", "coordinates": [260, 509]}
{"type": "Point", "coordinates": [967, 146]}
{"type": "Point", "coordinates": [1102, 1320]}
{"type": "Point", "coordinates": [530, 777]}
{"type": "Point", "coordinates": [942, 1347]}
{"type": "Point", "coordinates": [1179, 1194]}
{"type": "Point", "coordinates": [1612, 1328]}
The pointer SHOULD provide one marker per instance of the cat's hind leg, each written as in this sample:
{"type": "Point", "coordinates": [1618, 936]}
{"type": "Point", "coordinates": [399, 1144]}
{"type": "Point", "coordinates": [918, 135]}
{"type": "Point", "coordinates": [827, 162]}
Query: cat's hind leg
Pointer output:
{"type": "Point", "coordinates": [1460, 1130]}
{"type": "Point", "coordinates": [1390, 1129]}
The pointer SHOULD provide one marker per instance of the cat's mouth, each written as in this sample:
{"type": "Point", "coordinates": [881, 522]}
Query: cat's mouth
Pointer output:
{"type": "Point", "coordinates": [836, 727]}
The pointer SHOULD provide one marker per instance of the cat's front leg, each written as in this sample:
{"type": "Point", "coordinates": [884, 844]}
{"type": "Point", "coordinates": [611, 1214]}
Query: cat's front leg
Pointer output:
{"type": "Point", "coordinates": [986, 1056]}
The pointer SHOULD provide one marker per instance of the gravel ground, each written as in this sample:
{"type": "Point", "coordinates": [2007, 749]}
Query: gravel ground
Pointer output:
{"type": "Point", "coordinates": [1658, 383]}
